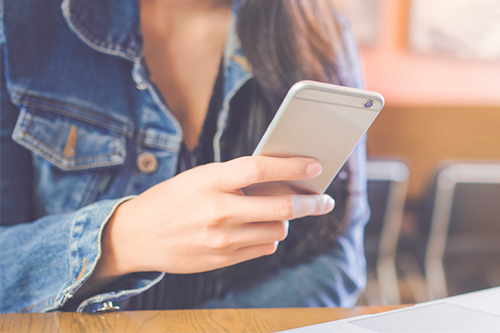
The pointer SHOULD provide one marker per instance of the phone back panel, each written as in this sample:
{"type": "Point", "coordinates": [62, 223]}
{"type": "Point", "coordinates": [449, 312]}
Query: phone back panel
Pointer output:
{"type": "Point", "coordinates": [323, 121]}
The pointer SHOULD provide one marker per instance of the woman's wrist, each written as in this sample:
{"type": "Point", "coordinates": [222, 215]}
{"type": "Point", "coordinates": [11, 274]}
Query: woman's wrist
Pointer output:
{"type": "Point", "coordinates": [115, 261]}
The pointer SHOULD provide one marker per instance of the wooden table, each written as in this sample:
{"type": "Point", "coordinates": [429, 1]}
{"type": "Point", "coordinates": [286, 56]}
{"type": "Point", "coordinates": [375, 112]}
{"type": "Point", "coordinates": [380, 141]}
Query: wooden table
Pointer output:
{"type": "Point", "coordinates": [224, 320]}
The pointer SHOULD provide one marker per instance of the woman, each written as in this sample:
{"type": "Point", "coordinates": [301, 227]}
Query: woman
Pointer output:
{"type": "Point", "coordinates": [108, 106]}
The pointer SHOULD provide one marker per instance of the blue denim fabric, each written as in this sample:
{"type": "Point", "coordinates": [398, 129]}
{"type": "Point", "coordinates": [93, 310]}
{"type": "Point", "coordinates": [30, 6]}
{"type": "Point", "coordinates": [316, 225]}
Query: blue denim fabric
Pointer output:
{"type": "Point", "coordinates": [77, 65]}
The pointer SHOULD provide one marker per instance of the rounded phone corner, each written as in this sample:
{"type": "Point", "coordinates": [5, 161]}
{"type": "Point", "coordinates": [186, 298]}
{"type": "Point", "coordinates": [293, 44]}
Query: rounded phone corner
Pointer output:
{"type": "Point", "coordinates": [299, 86]}
{"type": "Point", "coordinates": [380, 98]}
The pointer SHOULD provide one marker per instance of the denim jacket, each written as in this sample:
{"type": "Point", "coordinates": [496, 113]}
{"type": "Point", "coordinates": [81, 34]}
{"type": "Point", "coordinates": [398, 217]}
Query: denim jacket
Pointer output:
{"type": "Point", "coordinates": [79, 114]}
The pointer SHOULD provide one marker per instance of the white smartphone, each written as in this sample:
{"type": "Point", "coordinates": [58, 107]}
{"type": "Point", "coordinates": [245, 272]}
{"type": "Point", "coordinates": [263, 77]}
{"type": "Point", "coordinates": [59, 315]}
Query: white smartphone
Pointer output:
{"type": "Point", "coordinates": [319, 120]}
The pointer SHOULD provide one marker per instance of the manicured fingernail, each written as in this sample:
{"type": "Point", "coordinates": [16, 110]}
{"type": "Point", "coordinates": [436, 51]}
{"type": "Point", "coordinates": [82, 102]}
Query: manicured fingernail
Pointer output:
{"type": "Point", "coordinates": [329, 203]}
{"type": "Point", "coordinates": [313, 170]}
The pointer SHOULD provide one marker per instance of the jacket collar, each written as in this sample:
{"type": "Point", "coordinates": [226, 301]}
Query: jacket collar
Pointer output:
{"type": "Point", "coordinates": [113, 27]}
{"type": "Point", "coordinates": [110, 27]}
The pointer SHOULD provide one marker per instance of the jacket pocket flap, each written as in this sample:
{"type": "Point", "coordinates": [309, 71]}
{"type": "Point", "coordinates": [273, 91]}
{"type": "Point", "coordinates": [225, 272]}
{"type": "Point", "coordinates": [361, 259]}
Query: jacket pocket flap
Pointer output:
{"type": "Point", "coordinates": [67, 142]}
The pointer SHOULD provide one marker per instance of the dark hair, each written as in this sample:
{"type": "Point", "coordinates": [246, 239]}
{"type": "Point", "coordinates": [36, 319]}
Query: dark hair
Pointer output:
{"type": "Point", "coordinates": [286, 41]}
{"type": "Point", "coordinates": [289, 40]}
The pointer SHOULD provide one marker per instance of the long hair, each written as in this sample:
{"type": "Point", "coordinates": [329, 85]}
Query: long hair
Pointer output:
{"type": "Point", "coordinates": [286, 41]}
{"type": "Point", "coordinates": [289, 40]}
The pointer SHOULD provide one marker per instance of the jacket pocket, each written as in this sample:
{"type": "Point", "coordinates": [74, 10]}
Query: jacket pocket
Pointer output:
{"type": "Point", "coordinates": [76, 153]}
{"type": "Point", "coordinates": [69, 143]}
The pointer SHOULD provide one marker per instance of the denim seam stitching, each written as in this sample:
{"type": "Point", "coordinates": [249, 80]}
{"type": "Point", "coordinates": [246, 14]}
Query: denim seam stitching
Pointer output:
{"type": "Point", "coordinates": [90, 188]}
{"type": "Point", "coordinates": [156, 142]}
{"type": "Point", "coordinates": [223, 115]}
{"type": "Point", "coordinates": [52, 156]}
{"type": "Point", "coordinates": [41, 147]}
{"type": "Point", "coordinates": [95, 43]}
{"type": "Point", "coordinates": [85, 115]}
{"type": "Point", "coordinates": [75, 112]}
{"type": "Point", "coordinates": [46, 304]}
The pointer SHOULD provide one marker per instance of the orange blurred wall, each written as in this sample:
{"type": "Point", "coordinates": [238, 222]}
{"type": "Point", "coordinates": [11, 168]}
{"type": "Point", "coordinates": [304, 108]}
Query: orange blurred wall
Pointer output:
{"type": "Point", "coordinates": [407, 78]}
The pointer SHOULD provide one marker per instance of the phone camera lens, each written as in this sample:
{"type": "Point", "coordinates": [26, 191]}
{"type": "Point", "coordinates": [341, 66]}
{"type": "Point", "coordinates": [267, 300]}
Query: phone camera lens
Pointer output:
{"type": "Point", "coordinates": [368, 104]}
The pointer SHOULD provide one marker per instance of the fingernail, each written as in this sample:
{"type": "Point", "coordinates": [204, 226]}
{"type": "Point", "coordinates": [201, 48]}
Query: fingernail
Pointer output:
{"type": "Point", "coordinates": [313, 170]}
{"type": "Point", "coordinates": [287, 226]}
{"type": "Point", "coordinates": [329, 203]}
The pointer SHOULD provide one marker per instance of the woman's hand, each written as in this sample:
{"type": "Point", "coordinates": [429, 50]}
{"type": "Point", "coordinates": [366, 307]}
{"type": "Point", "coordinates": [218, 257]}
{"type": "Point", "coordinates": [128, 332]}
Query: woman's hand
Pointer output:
{"type": "Point", "coordinates": [200, 220]}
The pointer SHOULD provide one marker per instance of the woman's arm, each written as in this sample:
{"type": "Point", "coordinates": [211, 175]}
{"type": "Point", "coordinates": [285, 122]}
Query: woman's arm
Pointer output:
{"type": "Point", "coordinates": [197, 221]}
{"type": "Point", "coordinates": [42, 263]}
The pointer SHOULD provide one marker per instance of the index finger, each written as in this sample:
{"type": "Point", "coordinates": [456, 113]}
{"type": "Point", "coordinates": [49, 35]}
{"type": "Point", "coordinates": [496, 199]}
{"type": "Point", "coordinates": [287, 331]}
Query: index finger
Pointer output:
{"type": "Point", "coordinates": [248, 170]}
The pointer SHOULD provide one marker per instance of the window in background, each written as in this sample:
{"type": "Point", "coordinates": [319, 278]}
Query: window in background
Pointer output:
{"type": "Point", "coordinates": [462, 28]}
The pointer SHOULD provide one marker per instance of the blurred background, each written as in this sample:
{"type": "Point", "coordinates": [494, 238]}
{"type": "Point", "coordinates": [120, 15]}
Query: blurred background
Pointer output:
{"type": "Point", "coordinates": [434, 151]}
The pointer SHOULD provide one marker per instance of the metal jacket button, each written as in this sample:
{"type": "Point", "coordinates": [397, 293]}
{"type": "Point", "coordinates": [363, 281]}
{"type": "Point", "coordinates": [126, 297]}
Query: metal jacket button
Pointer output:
{"type": "Point", "coordinates": [147, 163]}
{"type": "Point", "coordinates": [108, 306]}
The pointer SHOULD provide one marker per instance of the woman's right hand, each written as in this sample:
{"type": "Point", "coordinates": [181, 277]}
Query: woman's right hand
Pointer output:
{"type": "Point", "coordinates": [200, 220]}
